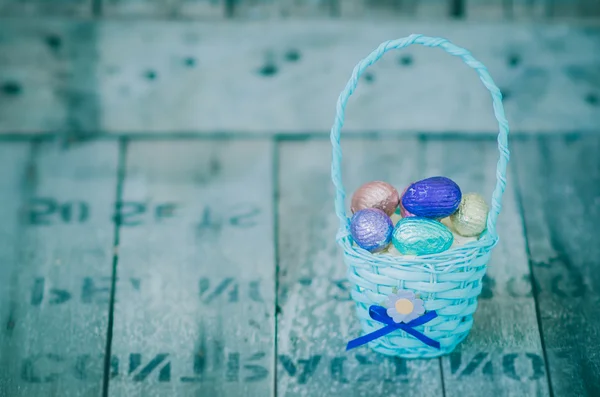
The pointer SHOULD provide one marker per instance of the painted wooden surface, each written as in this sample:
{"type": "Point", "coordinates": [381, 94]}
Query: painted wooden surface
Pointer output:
{"type": "Point", "coordinates": [477, 10]}
{"type": "Point", "coordinates": [317, 317]}
{"type": "Point", "coordinates": [53, 335]}
{"type": "Point", "coordinates": [172, 9]}
{"type": "Point", "coordinates": [14, 162]}
{"type": "Point", "coordinates": [62, 8]}
{"type": "Point", "coordinates": [49, 66]}
{"type": "Point", "coordinates": [256, 78]}
{"type": "Point", "coordinates": [503, 353]}
{"type": "Point", "coordinates": [277, 9]}
{"type": "Point", "coordinates": [489, 10]}
{"type": "Point", "coordinates": [377, 9]}
{"type": "Point", "coordinates": [194, 311]}
{"type": "Point", "coordinates": [559, 181]}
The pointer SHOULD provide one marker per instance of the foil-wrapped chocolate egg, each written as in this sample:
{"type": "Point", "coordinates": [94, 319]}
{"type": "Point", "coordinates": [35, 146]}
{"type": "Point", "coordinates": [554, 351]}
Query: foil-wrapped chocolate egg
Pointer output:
{"type": "Point", "coordinates": [421, 236]}
{"type": "Point", "coordinates": [403, 211]}
{"type": "Point", "coordinates": [371, 229]}
{"type": "Point", "coordinates": [375, 194]}
{"type": "Point", "coordinates": [471, 217]}
{"type": "Point", "coordinates": [436, 197]}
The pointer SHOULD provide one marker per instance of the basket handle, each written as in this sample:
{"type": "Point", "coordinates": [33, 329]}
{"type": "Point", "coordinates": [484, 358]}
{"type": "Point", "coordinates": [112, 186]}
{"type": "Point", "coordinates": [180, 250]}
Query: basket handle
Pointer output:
{"type": "Point", "coordinates": [485, 78]}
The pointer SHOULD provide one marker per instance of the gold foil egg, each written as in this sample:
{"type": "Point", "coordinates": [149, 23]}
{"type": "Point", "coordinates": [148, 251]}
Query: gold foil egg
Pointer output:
{"type": "Point", "coordinates": [377, 194]}
{"type": "Point", "coordinates": [471, 217]}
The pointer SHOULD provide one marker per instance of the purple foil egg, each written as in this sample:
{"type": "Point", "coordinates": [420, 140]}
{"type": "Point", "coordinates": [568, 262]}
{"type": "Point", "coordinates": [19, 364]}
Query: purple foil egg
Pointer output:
{"type": "Point", "coordinates": [371, 229]}
{"type": "Point", "coordinates": [436, 197]}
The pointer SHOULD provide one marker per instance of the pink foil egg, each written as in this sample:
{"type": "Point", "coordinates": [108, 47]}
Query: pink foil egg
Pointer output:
{"type": "Point", "coordinates": [403, 211]}
{"type": "Point", "coordinates": [377, 194]}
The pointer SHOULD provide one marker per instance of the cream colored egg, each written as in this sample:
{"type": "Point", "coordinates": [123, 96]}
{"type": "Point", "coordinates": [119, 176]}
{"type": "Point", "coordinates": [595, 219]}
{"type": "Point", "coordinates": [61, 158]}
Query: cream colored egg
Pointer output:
{"type": "Point", "coordinates": [461, 240]}
{"type": "Point", "coordinates": [395, 218]}
{"type": "Point", "coordinates": [471, 217]}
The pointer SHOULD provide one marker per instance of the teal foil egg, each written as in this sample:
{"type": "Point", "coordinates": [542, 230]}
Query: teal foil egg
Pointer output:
{"type": "Point", "coordinates": [421, 236]}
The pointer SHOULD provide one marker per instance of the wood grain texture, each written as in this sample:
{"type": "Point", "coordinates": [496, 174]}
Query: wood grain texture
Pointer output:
{"type": "Point", "coordinates": [53, 342]}
{"type": "Point", "coordinates": [153, 76]}
{"type": "Point", "coordinates": [503, 353]}
{"type": "Point", "coordinates": [308, 8]}
{"type": "Point", "coordinates": [487, 10]}
{"type": "Point", "coordinates": [536, 10]}
{"type": "Point", "coordinates": [43, 8]}
{"type": "Point", "coordinates": [194, 312]}
{"type": "Point", "coordinates": [176, 9]}
{"type": "Point", "coordinates": [317, 317]}
{"type": "Point", "coordinates": [389, 9]}
{"type": "Point", "coordinates": [434, 10]}
{"type": "Point", "coordinates": [48, 77]}
{"type": "Point", "coordinates": [278, 9]}
{"type": "Point", "coordinates": [14, 161]}
{"type": "Point", "coordinates": [559, 180]}
{"type": "Point", "coordinates": [260, 88]}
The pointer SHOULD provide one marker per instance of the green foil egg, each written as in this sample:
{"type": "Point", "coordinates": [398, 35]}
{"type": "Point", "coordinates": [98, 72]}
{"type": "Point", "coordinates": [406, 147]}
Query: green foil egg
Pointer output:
{"type": "Point", "coordinates": [421, 236]}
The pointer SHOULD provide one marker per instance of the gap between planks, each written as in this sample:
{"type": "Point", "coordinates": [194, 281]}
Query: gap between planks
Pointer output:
{"type": "Point", "coordinates": [115, 262]}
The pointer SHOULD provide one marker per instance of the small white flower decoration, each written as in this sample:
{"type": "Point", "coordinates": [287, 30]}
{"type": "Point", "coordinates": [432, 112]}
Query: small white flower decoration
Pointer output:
{"type": "Point", "coordinates": [403, 306]}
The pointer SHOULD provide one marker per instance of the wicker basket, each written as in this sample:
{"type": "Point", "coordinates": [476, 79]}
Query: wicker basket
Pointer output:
{"type": "Point", "coordinates": [449, 282]}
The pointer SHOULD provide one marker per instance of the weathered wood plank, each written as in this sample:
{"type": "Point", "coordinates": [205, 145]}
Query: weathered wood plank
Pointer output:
{"type": "Point", "coordinates": [276, 9]}
{"type": "Point", "coordinates": [317, 317]}
{"type": "Point", "coordinates": [308, 8]}
{"type": "Point", "coordinates": [153, 76]}
{"type": "Point", "coordinates": [535, 10]}
{"type": "Point", "coordinates": [195, 311]}
{"type": "Point", "coordinates": [53, 341]}
{"type": "Point", "coordinates": [561, 9]}
{"type": "Point", "coordinates": [487, 10]}
{"type": "Point", "coordinates": [180, 9]}
{"type": "Point", "coordinates": [257, 88]}
{"type": "Point", "coordinates": [560, 184]}
{"type": "Point", "coordinates": [43, 8]}
{"type": "Point", "coordinates": [256, 9]}
{"type": "Point", "coordinates": [14, 158]}
{"type": "Point", "coordinates": [48, 79]}
{"type": "Point", "coordinates": [358, 9]}
{"type": "Point", "coordinates": [589, 9]}
{"type": "Point", "coordinates": [434, 9]}
{"type": "Point", "coordinates": [503, 353]}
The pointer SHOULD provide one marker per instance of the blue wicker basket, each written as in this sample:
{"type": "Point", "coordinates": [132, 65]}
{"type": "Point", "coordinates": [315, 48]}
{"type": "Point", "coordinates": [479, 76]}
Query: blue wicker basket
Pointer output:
{"type": "Point", "coordinates": [450, 282]}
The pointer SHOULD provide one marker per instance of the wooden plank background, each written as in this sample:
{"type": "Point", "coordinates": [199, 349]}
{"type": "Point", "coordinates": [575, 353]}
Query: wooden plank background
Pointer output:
{"type": "Point", "coordinates": [201, 321]}
{"type": "Point", "coordinates": [14, 164]}
{"type": "Point", "coordinates": [151, 77]}
{"type": "Point", "coordinates": [273, 9]}
{"type": "Point", "coordinates": [54, 338]}
{"type": "Point", "coordinates": [207, 299]}
{"type": "Point", "coordinates": [173, 232]}
{"type": "Point", "coordinates": [563, 254]}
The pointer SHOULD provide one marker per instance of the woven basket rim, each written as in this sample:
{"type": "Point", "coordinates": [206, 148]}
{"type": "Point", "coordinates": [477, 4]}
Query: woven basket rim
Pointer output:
{"type": "Point", "coordinates": [443, 262]}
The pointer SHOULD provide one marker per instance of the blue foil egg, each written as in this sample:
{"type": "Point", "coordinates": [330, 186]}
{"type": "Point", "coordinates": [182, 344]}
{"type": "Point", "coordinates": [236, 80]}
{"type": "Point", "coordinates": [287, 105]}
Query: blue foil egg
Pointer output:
{"type": "Point", "coordinates": [421, 236]}
{"type": "Point", "coordinates": [371, 229]}
{"type": "Point", "coordinates": [436, 197]}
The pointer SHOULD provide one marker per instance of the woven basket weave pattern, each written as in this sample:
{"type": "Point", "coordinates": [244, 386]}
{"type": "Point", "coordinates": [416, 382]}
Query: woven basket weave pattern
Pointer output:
{"type": "Point", "coordinates": [448, 282]}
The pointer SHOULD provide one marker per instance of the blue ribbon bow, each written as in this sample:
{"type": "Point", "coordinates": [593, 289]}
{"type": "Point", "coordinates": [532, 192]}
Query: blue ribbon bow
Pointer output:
{"type": "Point", "coordinates": [379, 313]}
